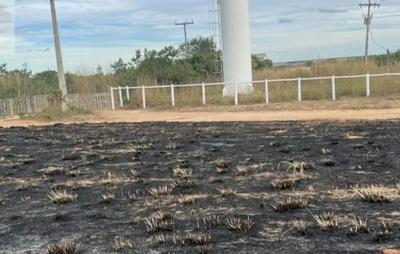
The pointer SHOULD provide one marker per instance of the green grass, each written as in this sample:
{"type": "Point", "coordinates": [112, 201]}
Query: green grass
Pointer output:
{"type": "Point", "coordinates": [54, 113]}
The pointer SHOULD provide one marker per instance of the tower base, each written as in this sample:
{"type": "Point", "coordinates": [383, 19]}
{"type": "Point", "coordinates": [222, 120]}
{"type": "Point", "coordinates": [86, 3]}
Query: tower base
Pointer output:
{"type": "Point", "coordinates": [243, 88]}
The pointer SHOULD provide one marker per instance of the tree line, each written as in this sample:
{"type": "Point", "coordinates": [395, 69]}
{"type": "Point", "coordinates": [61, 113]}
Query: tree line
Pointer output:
{"type": "Point", "coordinates": [194, 62]}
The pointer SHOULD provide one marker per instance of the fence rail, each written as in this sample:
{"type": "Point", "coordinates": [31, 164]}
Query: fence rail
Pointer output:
{"type": "Point", "coordinates": [35, 104]}
{"type": "Point", "coordinates": [25, 105]}
{"type": "Point", "coordinates": [203, 94]}
{"type": "Point", "coordinates": [93, 102]}
{"type": "Point", "coordinates": [299, 86]}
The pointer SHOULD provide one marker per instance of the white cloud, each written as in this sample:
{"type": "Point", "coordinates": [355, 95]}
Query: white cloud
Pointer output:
{"type": "Point", "coordinates": [7, 37]}
{"type": "Point", "coordinates": [100, 31]}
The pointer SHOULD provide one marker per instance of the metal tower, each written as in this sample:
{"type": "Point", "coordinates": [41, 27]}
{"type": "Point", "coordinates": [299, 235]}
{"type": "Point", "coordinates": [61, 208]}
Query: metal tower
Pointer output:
{"type": "Point", "coordinates": [215, 27]}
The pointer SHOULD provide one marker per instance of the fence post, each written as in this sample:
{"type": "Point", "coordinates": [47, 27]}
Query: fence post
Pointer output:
{"type": "Point", "coordinates": [127, 93]}
{"type": "Point", "coordinates": [144, 96]}
{"type": "Point", "coordinates": [266, 91]}
{"type": "Point", "coordinates": [112, 98]}
{"type": "Point", "coordinates": [34, 103]}
{"type": "Point", "coordinates": [368, 85]}
{"type": "Point", "coordinates": [172, 95]}
{"type": "Point", "coordinates": [333, 88]}
{"type": "Point", "coordinates": [11, 101]}
{"type": "Point", "coordinates": [121, 101]}
{"type": "Point", "coordinates": [299, 98]}
{"type": "Point", "coordinates": [28, 102]}
{"type": "Point", "coordinates": [203, 91]}
{"type": "Point", "coordinates": [236, 94]}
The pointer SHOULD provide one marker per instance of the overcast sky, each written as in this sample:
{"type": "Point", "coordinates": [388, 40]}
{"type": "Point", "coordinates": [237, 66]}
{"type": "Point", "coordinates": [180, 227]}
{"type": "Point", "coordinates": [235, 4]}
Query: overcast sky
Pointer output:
{"type": "Point", "coordinates": [100, 31]}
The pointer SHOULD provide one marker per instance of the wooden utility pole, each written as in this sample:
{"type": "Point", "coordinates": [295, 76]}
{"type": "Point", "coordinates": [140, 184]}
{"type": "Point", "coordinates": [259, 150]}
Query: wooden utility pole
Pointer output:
{"type": "Point", "coordinates": [367, 23]}
{"type": "Point", "coordinates": [185, 24]}
{"type": "Point", "coordinates": [60, 65]}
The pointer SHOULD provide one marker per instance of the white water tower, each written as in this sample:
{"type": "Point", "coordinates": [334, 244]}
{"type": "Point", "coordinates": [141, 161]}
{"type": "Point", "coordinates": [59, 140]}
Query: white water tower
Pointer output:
{"type": "Point", "coordinates": [236, 52]}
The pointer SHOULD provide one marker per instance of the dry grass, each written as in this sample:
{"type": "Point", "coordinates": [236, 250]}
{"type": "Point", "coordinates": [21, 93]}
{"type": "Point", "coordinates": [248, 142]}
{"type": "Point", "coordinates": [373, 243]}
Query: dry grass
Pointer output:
{"type": "Point", "coordinates": [227, 192]}
{"type": "Point", "coordinates": [112, 178]}
{"type": "Point", "coordinates": [326, 151]}
{"type": "Point", "coordinates": [299, 226]}
{"type": "Point", "coordinates": [239, 224]}
{"type": "Point", "coordinates": [290, 204]}
{"type": "Point", "coordinates": [186, 199]}
{"type": "Point", "coordinates": [154, 225]}
{"type": "Point", "coordinates": [284, 91]}
{"type": "Point", "coordinates": [52, 171]}
{"type": "Point", "coordinates": [221, 166]}
{"type": "Point", "coordinates": [134, 173]}
{"type": "Point", "coordinates": [23, 199]}
{"type": "Point", "coordinates": [326, 221]}
{"type": "Point", "coordinates": [187, 183]}
{"type": "Point", "coordinates": [121, 243]}
{"type": "Point", "coordinates": [25, 184]}
{"type": "Point", "coordinates": [359, 225]}
{"type": "Point", "coordinates": [284, 184]}
{"type": "Point", "coordinates": [383, 233]}
{"type": "Point", "coordinates": [205, 249]}
{"type": "Point", "coordinates": [107, 198]}
{"type": "Point", "coordinates": [317, 90]}
{"type": "Point", "coordinates": [211, 220]}
{"type": "Point", "coordinates": [66, 247]}
{"type": "Point", "coordinates": [164, 215]}
{"type": "Point", "coordinates": [161, 190]}
{"type": "Point", "coordinates": [376, 194]}
{"type": "Point", "coordinates": [200, 153]}
{"type": "Point", "coordinates": [158, 239]}
{"type": "Point", "coordinates": [296, 166]}
{"type": "Point", "coordinates": [183, 173]}
{"type": "Point", "coordinates": [281, 91]}
{"type": "Point", "coordinates": [73, 173]}
{"type": "Point", "coordinates": [191, 239]}
{"type": "Point", "coordinates": [61, 197]}
{"type": "Point", "coordinates": [242, 170]}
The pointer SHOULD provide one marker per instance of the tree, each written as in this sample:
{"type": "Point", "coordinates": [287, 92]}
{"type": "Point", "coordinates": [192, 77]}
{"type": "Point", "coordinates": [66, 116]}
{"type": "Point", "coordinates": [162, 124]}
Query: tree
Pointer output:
{"type": "Point", "coordinates": [260, 63]}
{"type": "Point", "coordinates": [45, 82]}
{"type": "Point", "coordinates": [3, 68]}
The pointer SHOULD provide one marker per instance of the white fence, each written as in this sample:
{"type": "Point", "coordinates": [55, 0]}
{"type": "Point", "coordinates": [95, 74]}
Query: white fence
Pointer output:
{"type": "Point", "coordinates": [106, 101]}
{"type": "Point", "coordinates": [35, 104]}
{"type": "Point", "coordinates": [125, 91]}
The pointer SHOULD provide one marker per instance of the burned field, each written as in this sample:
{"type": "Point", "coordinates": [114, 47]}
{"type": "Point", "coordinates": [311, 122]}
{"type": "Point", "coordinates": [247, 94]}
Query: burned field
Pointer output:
{"type": "Point", "coordinates": [290, 187]}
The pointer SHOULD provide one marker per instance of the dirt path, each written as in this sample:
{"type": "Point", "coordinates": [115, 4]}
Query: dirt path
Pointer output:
{"type": "Point", "coordinates": [207, 116]}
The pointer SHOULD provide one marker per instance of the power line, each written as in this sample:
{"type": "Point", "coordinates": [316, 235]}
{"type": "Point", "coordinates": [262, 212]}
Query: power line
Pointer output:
{"type": "Point", "coordinates": [185, 24]}
{"type": "Point", "coordinates": [367, 23]}
{"type": "Point", "coordinates": [376, 43]}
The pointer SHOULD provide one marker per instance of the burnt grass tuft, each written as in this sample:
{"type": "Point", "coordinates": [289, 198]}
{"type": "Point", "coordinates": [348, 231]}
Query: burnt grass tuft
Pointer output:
{"type": "Point", "coordinates": [197, 188]}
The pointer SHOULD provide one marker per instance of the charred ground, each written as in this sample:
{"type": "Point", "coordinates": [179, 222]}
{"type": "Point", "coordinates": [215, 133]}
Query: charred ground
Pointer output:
{"type": "Point", "coordinates": [201, 187]}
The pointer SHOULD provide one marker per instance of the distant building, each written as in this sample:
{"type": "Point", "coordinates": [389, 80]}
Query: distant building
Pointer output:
{"type": "Point", "coordinates": [312, 61]}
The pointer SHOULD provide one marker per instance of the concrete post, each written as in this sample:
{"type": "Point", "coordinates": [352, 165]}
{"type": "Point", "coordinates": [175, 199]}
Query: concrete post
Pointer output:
{"type": "Point", "coordinates": [144, 96]}
{"type": "Point", "coordinates": [299, 97]}
{"type": "Point", "coordinates": [266, 83]}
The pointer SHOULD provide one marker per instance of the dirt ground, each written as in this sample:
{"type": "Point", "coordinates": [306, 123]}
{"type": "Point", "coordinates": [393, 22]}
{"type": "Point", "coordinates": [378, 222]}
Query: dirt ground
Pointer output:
{"type": "Point", "coordinates": [345, 109]}
{"type": "Point", "coordinates": [135, 116]}
{"type": "Point", "coordinates": [191, 179]}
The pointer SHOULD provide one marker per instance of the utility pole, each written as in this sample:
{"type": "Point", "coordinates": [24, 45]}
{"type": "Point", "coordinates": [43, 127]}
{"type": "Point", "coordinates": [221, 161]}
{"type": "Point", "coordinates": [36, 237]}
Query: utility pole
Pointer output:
{"type": "Point", "coordinates": [367, 23]}
{"type": "Point", "coordinates": [387, 60]}
{"type": "Point", "coordinates": [184, 24]}
{"type": "Point", "coordinates": [60, 65]}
